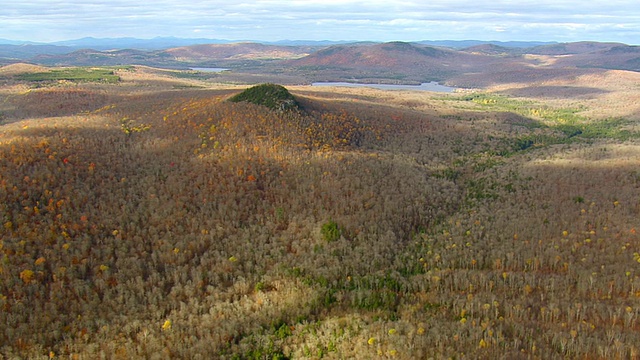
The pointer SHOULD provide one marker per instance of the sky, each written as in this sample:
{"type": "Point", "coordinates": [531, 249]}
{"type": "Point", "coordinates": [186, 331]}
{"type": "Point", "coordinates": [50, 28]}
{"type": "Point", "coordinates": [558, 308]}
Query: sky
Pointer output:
{"type": "Point", "coordinates": [362, 20]}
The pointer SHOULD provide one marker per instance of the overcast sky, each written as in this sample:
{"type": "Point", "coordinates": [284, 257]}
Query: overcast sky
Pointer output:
{"type": "Point", "coordinates": [271, 20]}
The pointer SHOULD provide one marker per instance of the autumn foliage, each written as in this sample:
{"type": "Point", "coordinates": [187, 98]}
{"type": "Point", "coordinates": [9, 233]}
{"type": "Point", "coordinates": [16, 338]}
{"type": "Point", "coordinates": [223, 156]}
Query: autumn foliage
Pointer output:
{"type": "Point", "coordinates": [155, 222]}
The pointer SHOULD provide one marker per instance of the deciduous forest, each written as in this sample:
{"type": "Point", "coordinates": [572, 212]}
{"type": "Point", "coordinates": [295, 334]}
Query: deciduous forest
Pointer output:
{"type": "Point", "coordinates": [148, 215]}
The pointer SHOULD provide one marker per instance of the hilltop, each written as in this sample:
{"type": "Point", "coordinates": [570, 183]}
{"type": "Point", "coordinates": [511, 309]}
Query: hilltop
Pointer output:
{"type": "Point", "coordinates": [272, 96]}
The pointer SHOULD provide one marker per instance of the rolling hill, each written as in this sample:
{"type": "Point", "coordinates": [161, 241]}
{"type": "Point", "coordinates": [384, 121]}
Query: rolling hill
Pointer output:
{"type": "Point", "coordinates": [480, 65]}
{"type": "Point", "coordinates": [388, 62]}
{"type": "Point", "coordinates": [582, 47]}
{"type": "Point", "coordinates": [616, 56]}
{"type": "Point", "coordinates": [491, 49]}
{"type": "Point", "coordinates": [89, 57]}
{"type": "Point", "coordinates": [389, 55]}
{"type": "Point", "coordinates": [237, 51]}
{"type": "Point", "coordinates": [27, 51]}
{"type": "Point", "coordinates": [477, 66]}
{"type": "Point", "coordinates": [184, 56]}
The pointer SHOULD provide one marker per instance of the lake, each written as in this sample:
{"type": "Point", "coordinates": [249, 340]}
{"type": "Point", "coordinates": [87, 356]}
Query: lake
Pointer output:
{"type": "Point", "coordinates": [208, 69]}
{"type": "Point", "coordinates": [430, 86]}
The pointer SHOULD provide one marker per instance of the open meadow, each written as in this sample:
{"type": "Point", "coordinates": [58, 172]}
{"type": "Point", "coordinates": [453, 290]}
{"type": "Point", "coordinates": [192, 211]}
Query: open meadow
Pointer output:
{"type": "Point", "coordinates": [145, 216]}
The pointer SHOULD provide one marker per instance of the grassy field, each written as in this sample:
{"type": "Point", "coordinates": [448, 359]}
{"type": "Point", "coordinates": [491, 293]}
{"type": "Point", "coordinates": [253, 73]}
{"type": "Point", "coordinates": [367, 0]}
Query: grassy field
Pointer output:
{"type": "Point", "coordinates": [154, 219]}
{"type": "Point", "coordinates": [76, 74]}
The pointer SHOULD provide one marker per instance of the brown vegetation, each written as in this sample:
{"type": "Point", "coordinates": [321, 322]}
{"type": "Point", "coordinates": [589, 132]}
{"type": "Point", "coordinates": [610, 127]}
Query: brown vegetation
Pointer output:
{"type": "Point", "coordinates": [479, 66]}
{"type": "Point", "coordinates": [139, 220]}
{"type": "Point", "coordinates": [237, 51]}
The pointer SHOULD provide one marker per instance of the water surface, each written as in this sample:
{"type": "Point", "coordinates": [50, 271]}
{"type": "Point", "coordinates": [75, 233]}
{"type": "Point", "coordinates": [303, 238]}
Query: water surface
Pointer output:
{"type": "Point", "coordinates": [209, 69]}
{"type": "Point", "coordinates": [430, 86]}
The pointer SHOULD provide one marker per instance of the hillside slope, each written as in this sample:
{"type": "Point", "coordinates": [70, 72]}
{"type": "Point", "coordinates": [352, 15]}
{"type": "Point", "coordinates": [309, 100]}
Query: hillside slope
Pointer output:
{"type": "Point", "coordinates": [236, 51]}
{"type": "Point", "coordinates": [155, 219]}
{"type": "Point", "coordinates": [480, 66]}
{"type": "Point", "coordinates": [388, 62]}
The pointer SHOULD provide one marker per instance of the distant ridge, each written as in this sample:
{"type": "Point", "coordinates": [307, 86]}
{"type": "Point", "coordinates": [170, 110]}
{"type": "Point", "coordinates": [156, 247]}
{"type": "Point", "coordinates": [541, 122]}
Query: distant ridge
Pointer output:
{"type": "Point", "coordinates": [28, 51]}
{"type": "Point", "coordinates": [237, 51]}
{"type": "Point", "coordinates": [159, 43]}
{"type": "Point", "coordinates": [306, 42]}
{"type": "Point", "coordinates": [459, 44]}
{"type": "Point", "coordinates": [368, 62]}
{"type": "Point", "coordinates": [581, 47]}
{"type": "Point", "coordinates": [386, 55]}
{"type": "Point", "coordinates": [491, 49]}
{"type": "Point", "coordinates": [393, 62]}
{"type": "Point", "coordinates": [16, 42]}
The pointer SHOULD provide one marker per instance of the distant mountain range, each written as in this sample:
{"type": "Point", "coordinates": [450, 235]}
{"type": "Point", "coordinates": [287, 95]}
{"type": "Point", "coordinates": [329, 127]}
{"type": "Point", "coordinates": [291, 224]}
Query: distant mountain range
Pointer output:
{"type": "Point", "coordinates": [12, 49]}
{"type": "Point", "coordinates": [105, 50]}
{"type": "Point", "coordinates": [463, 63]}
{"type": "Point", "coordinates": [121, 43]}
{"type": "Point", "coordinates": [461, 44]}
{"type": "Point", "coordinates": [160, 43]}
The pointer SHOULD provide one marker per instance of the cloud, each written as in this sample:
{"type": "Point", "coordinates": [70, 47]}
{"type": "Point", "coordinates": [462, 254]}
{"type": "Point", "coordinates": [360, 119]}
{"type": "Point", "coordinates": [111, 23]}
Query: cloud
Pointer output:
{"type": "Point", "coordinates": [324, 19]}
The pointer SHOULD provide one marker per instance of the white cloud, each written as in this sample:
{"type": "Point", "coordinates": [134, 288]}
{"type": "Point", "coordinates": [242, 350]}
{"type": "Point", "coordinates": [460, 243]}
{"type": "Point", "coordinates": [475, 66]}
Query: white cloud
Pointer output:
{"type": "Point", "coordinates": [325, 19]}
